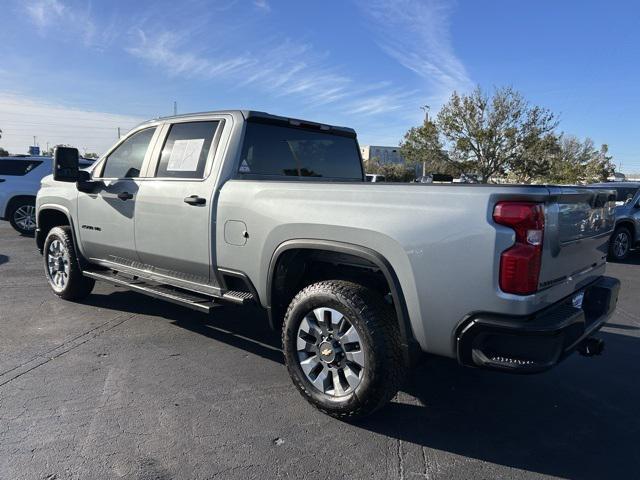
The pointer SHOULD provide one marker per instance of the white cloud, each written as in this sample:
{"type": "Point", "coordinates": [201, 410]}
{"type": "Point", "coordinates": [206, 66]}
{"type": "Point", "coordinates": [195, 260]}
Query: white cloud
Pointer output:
{"type": "Point", "coordinates": [282, 69]}
{"type": "Point", "coordinates": [44, 12]}
{"type": "Point", "coordinates": [416, 33]}
{"type": "Point", "coordinates": [50, 15]}
{"type": "Point", "coordinates": [262, 5]}
{"type": "Point", "coordinates": [163, 50]}
{"type": "Point", "coordinates": [22, 117]}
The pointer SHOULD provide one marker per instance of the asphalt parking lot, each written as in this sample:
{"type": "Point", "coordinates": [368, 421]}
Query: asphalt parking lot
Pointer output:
{"type": "Point", "coordinates": [123, 386]}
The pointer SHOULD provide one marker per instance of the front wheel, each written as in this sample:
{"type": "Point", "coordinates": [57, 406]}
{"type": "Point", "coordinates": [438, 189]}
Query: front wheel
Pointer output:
{"type": "Point", "coordinates": [342, 348]}
{"type": "Point", "coordinates": [620, 244]}
{"type": "Point", "coordinates": [61, 266]}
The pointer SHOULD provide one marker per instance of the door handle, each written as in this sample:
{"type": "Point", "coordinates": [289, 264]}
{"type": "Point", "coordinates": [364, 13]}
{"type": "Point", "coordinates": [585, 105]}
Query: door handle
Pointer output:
{"type": "Point", "coordinates": [125, 196]}
{"type": "Point", "coordinates": [195, 200]}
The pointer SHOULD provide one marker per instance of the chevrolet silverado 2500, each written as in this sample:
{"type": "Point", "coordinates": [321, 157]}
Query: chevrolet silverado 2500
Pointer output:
{"type": "Point", "coordinates": [245, 207]}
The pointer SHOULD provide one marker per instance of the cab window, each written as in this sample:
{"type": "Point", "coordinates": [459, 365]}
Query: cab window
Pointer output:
{"type": "Point", "coordinates": [185, 152]}
{"type": "Point", "coordinates": [126, 160]}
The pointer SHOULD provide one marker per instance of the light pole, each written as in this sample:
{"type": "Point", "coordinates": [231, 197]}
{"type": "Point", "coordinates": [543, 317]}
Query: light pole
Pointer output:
{"type": "Point", "coordinates": [425, 108]}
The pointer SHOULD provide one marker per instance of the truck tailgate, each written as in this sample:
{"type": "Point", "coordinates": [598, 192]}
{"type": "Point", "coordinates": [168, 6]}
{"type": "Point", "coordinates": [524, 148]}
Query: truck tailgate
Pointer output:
{"type": "Point", "coordinates": [579, 222]}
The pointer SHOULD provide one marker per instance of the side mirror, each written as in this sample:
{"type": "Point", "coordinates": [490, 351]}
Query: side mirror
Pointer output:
{"type": "Point", "coordinates": [65, 164]}
{"type": "Point", "coordinates": [86, 184]}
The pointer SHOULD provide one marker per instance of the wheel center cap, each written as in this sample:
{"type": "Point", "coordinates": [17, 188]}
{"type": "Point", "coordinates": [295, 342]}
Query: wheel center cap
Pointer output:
{"type": "Point", "coordinates": [327, 352]}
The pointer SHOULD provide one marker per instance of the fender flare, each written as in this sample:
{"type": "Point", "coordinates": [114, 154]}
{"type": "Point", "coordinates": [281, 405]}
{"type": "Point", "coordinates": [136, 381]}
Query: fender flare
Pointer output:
{"type": "Point", "coordinates": [410, 346]}
{"type": "Point", "coordinates": [40, 238]}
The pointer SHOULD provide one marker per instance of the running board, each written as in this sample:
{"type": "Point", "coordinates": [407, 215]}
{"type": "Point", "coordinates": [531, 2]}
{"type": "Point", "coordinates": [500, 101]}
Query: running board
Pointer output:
{"type": "Point", "coordinates": [195, 301]}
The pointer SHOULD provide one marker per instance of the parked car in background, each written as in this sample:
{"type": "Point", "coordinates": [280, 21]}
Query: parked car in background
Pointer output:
{"type": "Point", "coordinates": [375, 178]}
{"type": "Point", "coordinates": [626, 235]}
{"type": "Point", "coordinates": [434, 178]}
{"type": "Point", "coordinates": [20, 178]}
{"type": "Point", "coordinates": [466, 178]}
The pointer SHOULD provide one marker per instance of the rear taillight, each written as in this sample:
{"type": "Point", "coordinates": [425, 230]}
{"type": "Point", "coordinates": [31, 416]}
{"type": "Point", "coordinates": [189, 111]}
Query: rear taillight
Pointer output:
{"type": "Point", "coordinates": [520, 264]}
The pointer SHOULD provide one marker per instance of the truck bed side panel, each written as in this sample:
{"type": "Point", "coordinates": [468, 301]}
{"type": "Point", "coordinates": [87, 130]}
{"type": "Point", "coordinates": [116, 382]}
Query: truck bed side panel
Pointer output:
{"type": "Point", "coordinates": [440, 241]}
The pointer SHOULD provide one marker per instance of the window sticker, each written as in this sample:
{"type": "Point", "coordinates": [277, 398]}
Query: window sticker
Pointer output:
{"type": "Point", "coordinates": [185, 155]}
{"type": "Point", "coordinates": [244, 167]}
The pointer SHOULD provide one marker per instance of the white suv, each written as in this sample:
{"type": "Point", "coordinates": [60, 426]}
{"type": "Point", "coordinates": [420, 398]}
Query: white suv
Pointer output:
{"type": "Point", "coordinates": [19, 182]}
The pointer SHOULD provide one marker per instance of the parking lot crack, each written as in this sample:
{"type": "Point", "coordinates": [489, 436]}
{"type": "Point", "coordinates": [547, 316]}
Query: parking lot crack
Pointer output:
{"type": "Point", "coordinates": [53, 353]}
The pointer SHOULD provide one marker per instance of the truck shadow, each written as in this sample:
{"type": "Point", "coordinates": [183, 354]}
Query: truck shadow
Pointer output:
{"type": "Point", "coordinates": [3, 259]}
{"type": "Point", "coordinates": [245, 328]}
{"type": "Point", "coordinates": [579, 420]}
{"type": "Point", "coordinates": [632, 259]}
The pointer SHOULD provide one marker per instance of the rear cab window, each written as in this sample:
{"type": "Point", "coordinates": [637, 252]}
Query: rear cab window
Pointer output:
{"type": "Point", "coordinates": [18, 168]}
{"type": "Point", "coordinates": [288, 152]}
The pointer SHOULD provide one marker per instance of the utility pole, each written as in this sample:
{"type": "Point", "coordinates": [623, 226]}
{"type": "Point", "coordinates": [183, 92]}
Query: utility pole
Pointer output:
{"type": "Point", "coordinates": [425, 109]}
{"type": "Point", "coordinates": [175, 108]}
{"type": "Point", "coordinates": [34, 140]}
{"type": "Point", "coordinates": [118, 133]}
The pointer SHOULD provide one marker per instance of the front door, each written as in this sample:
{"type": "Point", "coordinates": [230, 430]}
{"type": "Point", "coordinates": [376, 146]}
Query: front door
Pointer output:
{"type": "Point", "coordinates": [106, 215]}
{"type": "Point", "coordinates": [173, 211]}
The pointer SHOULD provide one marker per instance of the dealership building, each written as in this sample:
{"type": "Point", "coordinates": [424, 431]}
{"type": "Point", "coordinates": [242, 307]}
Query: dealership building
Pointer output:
{"type": "Point", "coordinates": [383, 155]}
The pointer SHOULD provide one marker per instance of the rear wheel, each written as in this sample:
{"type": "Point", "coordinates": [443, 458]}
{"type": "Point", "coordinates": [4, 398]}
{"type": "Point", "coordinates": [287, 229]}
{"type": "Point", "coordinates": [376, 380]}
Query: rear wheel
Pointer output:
{"type": "Point", "coordinates": [61, 266]}
{"type": "Point", "coordinates": [22, 215]}
{"type": "Point", "coordinates": [342, 348]}
{"type": "Point", "coordinates": [620, 244]}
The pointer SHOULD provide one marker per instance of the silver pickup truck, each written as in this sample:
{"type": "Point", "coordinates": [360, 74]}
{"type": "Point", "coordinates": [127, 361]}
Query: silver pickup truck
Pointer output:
{"type": "Point", "coordinates": [245, 207]}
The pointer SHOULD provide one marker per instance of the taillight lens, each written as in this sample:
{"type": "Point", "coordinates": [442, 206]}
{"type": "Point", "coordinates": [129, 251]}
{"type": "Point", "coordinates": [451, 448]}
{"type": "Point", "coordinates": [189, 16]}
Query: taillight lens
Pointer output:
{"type": "Point", "coordinates": [520, 264]}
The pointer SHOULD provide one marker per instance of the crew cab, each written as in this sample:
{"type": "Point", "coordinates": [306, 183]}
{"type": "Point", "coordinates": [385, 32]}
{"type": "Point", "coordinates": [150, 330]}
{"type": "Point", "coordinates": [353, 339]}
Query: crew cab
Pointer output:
{"type": "Point", "coordinates": [244, 207]}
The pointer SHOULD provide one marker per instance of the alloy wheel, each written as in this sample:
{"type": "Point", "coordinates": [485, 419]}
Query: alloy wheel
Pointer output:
{"type": "Point", "coordinates": [58, 266]}
{"type": "Point", "coordinates": [330, 352]}
{"type": "Point", "coordinates": [621, 244]}
{"type": "Point", "coordinates": [25, 217]}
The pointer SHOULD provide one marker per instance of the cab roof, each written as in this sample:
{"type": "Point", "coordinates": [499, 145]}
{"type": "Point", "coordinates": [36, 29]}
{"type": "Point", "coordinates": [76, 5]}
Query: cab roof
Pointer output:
{"type": "Point", "coordinates": [264, 117]}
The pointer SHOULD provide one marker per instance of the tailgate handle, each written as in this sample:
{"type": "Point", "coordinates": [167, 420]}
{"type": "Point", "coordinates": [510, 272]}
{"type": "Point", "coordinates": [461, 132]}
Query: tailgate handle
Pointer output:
{"type": "Point", "coordinates": [195, 200]}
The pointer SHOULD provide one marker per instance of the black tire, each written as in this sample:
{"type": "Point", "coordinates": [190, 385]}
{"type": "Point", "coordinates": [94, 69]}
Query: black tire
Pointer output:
{"type": "Point", "coordinates": [620, 244]}
{"type": "Point", "coordinates": [21, 215]}
{"type": "Point", "coordinates": [379, 340]}
{"type": "Point", "coordinates": [74, 286]}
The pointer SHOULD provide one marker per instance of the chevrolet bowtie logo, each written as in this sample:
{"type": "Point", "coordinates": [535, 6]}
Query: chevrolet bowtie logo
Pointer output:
{"type": "Point", "coordinates": [326, 352]}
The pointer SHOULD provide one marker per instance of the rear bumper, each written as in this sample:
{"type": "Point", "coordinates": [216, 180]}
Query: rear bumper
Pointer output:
{"type": "Point", "coordinates": [536, 343]}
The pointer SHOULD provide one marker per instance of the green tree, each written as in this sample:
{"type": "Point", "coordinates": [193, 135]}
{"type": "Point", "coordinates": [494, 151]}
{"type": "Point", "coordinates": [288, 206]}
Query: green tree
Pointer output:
{"type": "Point", "coordinates": [536, 159]}
{"type": "Point", "coordinates": [91, 155]}
{"type": "Point", "coordinates": [3, 152]}
{"type": "Point", "coordinates": [421, 146]}
{"type": "Point", "coordinates": [579, 161]}
{"type": "Point", "coordinates": [393, 172]}
{"type": "Point", "coordinates": [489, 134]}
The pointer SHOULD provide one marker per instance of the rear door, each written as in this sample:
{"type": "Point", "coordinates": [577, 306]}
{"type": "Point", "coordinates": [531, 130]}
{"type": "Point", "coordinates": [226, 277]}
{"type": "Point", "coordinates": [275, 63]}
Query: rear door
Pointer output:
{"type": "Point", "coordinates": [174, 233]}
{"type": "Point", "coordinates": [106, 215]}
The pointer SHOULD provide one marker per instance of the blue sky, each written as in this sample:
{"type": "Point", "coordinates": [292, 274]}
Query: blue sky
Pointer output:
{"type": "Point", "coordinates": [72, 71]}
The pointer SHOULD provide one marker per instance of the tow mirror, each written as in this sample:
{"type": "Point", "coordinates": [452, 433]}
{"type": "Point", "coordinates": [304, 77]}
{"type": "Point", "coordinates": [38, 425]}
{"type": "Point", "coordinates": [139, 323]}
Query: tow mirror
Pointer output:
{"type": "Point", "coordinates": [65, 164]}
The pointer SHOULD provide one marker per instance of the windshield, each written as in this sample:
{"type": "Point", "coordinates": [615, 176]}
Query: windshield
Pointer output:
{"type": "Point", "coordinates": [625, 195]}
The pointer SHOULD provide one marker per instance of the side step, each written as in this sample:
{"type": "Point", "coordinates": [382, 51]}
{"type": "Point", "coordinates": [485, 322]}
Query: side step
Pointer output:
{"type": "Point", "coordinates": [198, 302]}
